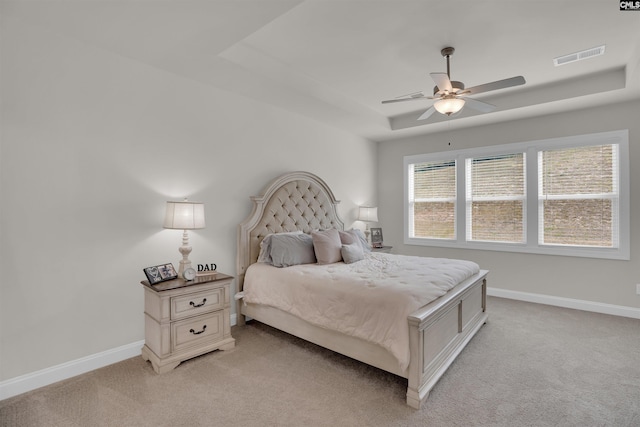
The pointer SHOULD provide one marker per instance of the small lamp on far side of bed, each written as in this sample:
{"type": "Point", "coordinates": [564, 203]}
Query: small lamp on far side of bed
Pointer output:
{"type": "Point", "coordinates": [185, 216]}
{"type": "Point", "coordinates": [368, 214]}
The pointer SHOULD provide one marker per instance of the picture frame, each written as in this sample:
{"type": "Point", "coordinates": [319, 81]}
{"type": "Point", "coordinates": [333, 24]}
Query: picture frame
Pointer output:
{"type": "Point", "coordinates": [376, 237]}
{"type": "Point", "coordinates": [160, 273]}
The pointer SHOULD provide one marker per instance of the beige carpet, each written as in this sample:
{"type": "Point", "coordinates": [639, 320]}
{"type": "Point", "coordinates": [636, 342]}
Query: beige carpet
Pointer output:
{"type": "Point", "coordinates": [530, 365]}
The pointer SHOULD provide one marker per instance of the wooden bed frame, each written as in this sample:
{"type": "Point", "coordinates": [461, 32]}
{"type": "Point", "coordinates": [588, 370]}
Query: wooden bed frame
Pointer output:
{"type": "Point", "coordinates": [437, 332]}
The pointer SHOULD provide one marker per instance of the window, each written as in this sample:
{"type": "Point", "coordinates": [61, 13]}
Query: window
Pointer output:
{"type": "Point", "coordinates": [496, 198]}
{"type": "Point", "coordinates": [579, 196]}
{"type": "Point", "coordinates": [432, 197]}
{"type": "Point", "coordinates": [566, 196]}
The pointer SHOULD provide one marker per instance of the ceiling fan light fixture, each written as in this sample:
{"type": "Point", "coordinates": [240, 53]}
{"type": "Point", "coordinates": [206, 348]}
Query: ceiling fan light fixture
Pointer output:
{"type": "Point", "coordinates": [449, 106]}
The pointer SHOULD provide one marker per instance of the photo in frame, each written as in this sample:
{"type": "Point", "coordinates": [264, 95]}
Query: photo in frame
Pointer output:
{"type": "Point", "coordinates": [160, 273]}
{"type": "Point", "coordinates": [376, 238]}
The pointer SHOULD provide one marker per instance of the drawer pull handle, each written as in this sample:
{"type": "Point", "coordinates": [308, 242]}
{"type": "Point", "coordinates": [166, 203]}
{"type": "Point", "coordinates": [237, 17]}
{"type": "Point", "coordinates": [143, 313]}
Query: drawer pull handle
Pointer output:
{"type": "Point", "coordinates": [199, 332]}
{"type": "Point", "coordinates": [198, 305]}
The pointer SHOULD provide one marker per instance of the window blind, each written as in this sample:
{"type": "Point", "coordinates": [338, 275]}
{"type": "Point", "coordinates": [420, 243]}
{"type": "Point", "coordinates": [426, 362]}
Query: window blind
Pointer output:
{"type": "Point", "coordinates": [496, 198]}
{"type": "Point", "coordinates": [433, 199]}
{"type": "Point", "coordinates": [579, 196]}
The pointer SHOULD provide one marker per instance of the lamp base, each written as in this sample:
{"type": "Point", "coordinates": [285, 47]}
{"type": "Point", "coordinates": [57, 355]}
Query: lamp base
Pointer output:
{"type": "Point", "coordinates": [182, 266]}
{"type": "Point", "coordinates": [185, 250]}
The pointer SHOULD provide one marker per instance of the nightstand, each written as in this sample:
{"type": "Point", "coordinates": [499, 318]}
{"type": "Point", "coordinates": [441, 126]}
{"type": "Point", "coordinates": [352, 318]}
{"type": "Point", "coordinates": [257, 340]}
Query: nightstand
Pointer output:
{"type": "Point", "coordinates": [385, 249]}
{"type": "Point", "coordinates": [186, 319]}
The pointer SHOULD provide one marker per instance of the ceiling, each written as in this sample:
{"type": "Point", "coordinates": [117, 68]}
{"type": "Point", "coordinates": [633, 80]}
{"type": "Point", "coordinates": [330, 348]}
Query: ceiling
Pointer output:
{"type": "Point", "coordinates": [335, 61]}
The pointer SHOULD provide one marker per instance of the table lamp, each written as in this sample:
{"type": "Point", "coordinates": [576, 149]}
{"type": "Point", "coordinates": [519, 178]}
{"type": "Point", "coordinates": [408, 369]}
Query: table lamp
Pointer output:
{"type": "Point", "coordinates": [184, 216]}
{"type": "Point", "coordinates": [368, 214]}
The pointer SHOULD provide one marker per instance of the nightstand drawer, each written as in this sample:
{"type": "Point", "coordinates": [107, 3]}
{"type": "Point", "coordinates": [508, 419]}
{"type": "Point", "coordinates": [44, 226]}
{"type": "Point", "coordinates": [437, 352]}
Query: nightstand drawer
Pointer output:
{"type": "Point", "coordinates": [197, 303]}
{"type": "Point", "coordinates": [186, 333]}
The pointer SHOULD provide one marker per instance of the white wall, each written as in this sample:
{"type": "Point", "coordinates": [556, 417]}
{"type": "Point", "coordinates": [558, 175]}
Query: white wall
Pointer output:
{"type": "Point", "coordinates": [594, 280]}
{"type": "Point", "coordinates": [92, 146]}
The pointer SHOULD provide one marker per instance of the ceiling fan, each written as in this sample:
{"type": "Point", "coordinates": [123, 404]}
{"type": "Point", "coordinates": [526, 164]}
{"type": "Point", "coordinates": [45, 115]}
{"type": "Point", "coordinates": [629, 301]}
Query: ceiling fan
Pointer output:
{"type": "Point", "coordinates": [452, 96]}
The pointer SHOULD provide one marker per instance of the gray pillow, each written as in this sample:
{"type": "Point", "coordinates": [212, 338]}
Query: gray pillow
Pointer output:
{"type": "Point", "coordinates": [265, 246]}
{"type": "Point", "coordinates": [352, 253]}
{"type": "Point", "coordinates": [292, 249]}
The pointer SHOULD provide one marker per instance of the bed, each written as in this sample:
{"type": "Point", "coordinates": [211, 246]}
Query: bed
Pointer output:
{"type": "Point", "coordinates": [432, 334]}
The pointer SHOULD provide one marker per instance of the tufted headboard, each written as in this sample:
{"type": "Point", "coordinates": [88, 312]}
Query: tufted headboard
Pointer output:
{"type": "Point", "coordinates": [293, 201]}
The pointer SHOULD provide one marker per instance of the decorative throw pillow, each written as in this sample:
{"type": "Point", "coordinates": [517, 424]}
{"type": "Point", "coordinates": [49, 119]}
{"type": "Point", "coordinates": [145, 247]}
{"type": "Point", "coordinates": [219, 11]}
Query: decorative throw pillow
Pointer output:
{"type": "Point", "coordinates": [348, 237]}
{"type": "Point", "coordinates": [292, 249]}
{"type": "Point", "coordinates": [327, 246]}
{"type": "Point", "coordinates": [265, 246]}
{"type": "Point", "coordinates": [352, 253]}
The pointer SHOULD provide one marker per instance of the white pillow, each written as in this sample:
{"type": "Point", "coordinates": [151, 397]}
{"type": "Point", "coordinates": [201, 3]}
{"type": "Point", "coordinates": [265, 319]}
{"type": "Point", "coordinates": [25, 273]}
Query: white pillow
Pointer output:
{"type": "Point", "coordinates": [366, 247]}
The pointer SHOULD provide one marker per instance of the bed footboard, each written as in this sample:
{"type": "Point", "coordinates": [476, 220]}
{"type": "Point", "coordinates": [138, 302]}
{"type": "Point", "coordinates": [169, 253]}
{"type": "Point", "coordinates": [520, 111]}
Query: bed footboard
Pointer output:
{"type": "Point", "coordinates": [439, 331]}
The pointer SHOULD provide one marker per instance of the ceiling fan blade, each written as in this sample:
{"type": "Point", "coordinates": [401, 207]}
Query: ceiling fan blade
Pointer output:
{"type": "Point", "coordinates": [483, 107]}
{"type": "Point", "coordinates": [442, 81]}
{"type": "Point", "coordinates": [418, 95]}
{"type": "Point", "coordinates": [427, 113]}
{"type": "Point", "coordinates": [500, 84]}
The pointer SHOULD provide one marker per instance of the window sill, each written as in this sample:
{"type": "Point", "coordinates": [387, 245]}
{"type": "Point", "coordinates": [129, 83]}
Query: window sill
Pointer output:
{"type": "Point", "coordinates": [578, 251]}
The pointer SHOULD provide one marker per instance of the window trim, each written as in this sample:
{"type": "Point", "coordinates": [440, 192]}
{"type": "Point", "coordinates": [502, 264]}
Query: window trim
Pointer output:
{"type": "Point", "coordinates": [531, 148]}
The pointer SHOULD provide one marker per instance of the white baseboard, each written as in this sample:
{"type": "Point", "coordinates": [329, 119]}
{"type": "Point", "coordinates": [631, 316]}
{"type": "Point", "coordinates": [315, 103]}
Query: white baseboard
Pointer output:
{"type": "Point", "coordinates": [596, 307]}
{"type": "Point", "coordinates": [33, 380]}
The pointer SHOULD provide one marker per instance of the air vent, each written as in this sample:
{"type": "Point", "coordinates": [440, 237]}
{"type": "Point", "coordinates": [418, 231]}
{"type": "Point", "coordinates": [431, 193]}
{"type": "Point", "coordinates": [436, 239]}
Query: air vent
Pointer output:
{"type": "Point", "coordinates": [578, 56]}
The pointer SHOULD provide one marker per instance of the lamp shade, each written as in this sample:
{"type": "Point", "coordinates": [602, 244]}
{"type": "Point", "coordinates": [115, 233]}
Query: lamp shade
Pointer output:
{"type": "Point", "coordinates": [368, 214]}
{"type": "Point", "coordinates": [184, 215]}
{"type": "Point", "coordinates": [449, 106]}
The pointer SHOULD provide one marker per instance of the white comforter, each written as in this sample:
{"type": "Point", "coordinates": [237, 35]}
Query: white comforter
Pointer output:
{"type": "Point", "coordinates": [369, 299]}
